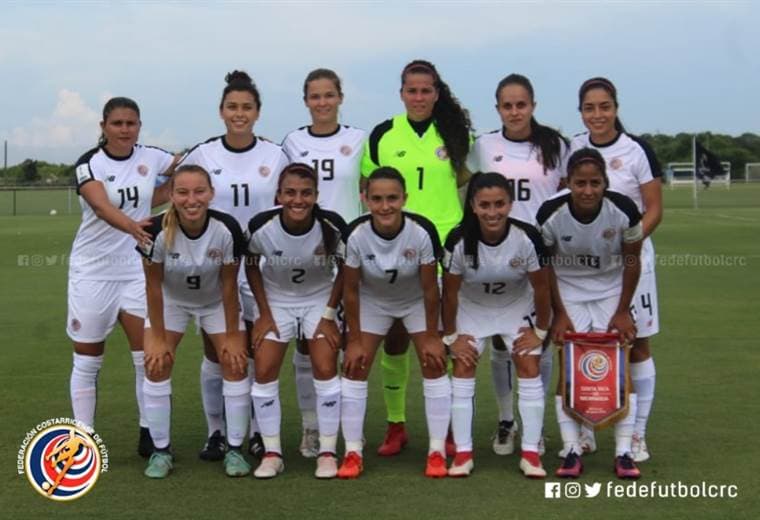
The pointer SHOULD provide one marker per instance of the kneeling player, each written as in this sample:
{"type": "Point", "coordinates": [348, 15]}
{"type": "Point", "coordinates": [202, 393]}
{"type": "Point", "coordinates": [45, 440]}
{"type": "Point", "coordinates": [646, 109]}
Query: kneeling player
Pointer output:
{"type": "Point", "coordinates": [390, 273]}
{"type": "Point", "coordinates": [594, 236]}
{"type": "Point", "coordinates": [297, 293]}
{"type": "Point", "coordinates": [494, 284]}
{"type": "Point", "coordinates": [191, 273]}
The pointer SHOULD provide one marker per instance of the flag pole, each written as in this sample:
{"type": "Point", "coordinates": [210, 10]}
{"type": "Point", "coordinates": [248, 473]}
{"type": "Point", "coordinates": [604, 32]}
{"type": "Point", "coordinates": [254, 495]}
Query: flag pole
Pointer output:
{"type": "Point", "coordinates": [694, 161]}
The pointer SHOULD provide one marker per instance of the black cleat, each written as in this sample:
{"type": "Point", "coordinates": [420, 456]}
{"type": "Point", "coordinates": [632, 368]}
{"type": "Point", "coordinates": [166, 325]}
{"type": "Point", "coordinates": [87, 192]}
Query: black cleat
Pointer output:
{"type": "Point", "coordinates": [145, 443]}
{"type": "Point", "coordinates": [215, 448]}
{"type": "Point", "coordinates": [256, 446]}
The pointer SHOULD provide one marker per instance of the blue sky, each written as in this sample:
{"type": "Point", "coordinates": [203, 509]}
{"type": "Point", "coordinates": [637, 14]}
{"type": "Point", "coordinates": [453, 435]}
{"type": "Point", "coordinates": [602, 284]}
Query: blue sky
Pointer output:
{"type": "Point", "coordinates": [678, 66]}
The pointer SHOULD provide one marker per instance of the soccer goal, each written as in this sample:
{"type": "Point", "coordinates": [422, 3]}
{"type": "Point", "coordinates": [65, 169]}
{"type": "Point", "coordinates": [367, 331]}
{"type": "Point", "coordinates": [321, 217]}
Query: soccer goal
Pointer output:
{"type": "Point", "coordinates": [681, 174]}
{"type": "Point", "coordinates": [752, 172]}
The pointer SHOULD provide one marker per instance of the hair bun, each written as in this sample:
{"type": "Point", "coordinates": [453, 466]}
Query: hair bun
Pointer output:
{"type": "Point", "coordinates": [238, 76]}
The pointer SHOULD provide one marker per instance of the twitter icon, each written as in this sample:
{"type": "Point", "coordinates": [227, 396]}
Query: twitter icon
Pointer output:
{"type": "Point", "coordinates": [592, 490]}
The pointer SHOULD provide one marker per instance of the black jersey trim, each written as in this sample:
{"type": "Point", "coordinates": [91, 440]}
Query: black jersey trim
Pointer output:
{"type": "Point", "coordinates": [626, 205]}
{"type": "Point", "coordinates": [229, 147]}
{"type": "Point", "coordinates": [432, 232]}
{"type": "Point", "coordinates": [607, 144]}
{"type": "Point", "coordinates": [297, 233]}
{"type": "Point", "coordinates": [351, 226]}
{"type": "Point", "coordinates": [551, 206]}
{"type": "Point", "coordinates": [517, 141]}
{"type": "Point", "coordinates": [199, 235]}
{"type": "Point", "coordinates": [116, 157]}
{"type": "Point", "coordinates": [154, 229]}
{"type": "Point", "coordinates": [374, 140]}
{"type": "Point", "coordinates": [86, 156]}
{"type": "Point", "coordinates": [389, 238]}
{"type": "Point", "coordinates": [239, 243]}
{"type": "Point", "coordinates": [260, 219]}
{"type": "Point", "coordinates": [156, 148]}
{"type": "Point", "coordinates": [420, 127]}
{"type": "Point", "coordinates": [191, 150]}
{"type": "Point", "coordinates": [654, 164]}
{"type": "Point", "coordinates": [332, 219]}
{"type": "Point", "coordinates": [320, 136]}
{"type": "Point", "coordinates": [535, 237]}
{"type": "Point", "coordinates": [453, 238]}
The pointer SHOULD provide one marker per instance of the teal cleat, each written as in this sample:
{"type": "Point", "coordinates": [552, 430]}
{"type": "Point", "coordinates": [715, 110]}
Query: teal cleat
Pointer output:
{"type": "Point", "coordinates": [159, 465]}
{"type": "Point", "coordinates": [235, 465]}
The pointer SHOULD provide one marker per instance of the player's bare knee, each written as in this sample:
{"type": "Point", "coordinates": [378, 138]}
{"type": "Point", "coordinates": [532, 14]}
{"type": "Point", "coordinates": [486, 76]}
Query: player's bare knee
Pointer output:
{"type": "Point", "coordinates": [527, 366]}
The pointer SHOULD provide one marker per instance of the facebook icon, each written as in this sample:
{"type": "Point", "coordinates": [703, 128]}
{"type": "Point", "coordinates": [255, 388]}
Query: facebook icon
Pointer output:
{"type": "Point", "coordinates": [552, 490]}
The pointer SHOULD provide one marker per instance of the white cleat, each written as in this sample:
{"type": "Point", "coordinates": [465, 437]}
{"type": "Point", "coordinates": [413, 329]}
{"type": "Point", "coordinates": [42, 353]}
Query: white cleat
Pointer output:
{"type": "Point", "coordinates": [309, 443]}
{"type": "Point", "coordinates": [588, 441]}
{"type": "Point", "coordinates": [271, 466]}
{"type": "Point", "coordinates": [327, 466]}
{"type": "Point", "coordinates": [531, 471]}
{"type": "Point", "coordinates": [504, 439]}
{"type": "Point", "coordinates": [639, 449]}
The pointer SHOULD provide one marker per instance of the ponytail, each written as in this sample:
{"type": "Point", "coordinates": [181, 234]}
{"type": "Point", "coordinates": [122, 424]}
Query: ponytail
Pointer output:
{"type": "Point", "coordinates": [169, 225]}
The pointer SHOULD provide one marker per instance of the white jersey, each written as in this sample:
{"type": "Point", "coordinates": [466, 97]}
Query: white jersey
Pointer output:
{"type": "Point", "coordinates": [390, 266]}
{"type": "Point", "coordinates": [245, 181]}
{"type": "Point", "coordinates": [501, 277]}
{"type": "Point", "coordinates": [336, 158]}
{"type": "Point", "coordinates": [192, 265]}
{"type": "Point", "coordinates": [630, 163]}
{"type": "Point", "coordinates": [101, 252]}
{"type": "Point", "coordinates": [588, 256]}
{"type": "Point", "coordinates": [521, 163]}
{"type": "Point", "coordinates": [295, 268]}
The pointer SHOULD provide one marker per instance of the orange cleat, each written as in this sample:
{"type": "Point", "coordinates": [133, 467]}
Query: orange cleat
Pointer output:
{"type": "Point", "coordinates": [395, 440]}
{"type": "Point", "coordinates": [352, 466]}
{"type": "Point", "coordinates": [436, 465]}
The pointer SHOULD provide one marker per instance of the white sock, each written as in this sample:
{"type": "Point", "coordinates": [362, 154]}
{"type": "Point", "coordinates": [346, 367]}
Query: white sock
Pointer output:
{"type": "Point", "coordinates": [588, 431]}
{"type": "Point", "coordinates": [158, 411]}
{"type": "Point", "coordinates": [83, 387]}
{"type": "Point", "coordinates": [353, 407]}
{"type": "Point", "coordinates": [437, 394]}
{"type": "Point", "coordinates": [546, 365]}
{"type": "Point", "coordinates": [501, 373]}
{"type": "Point", "coordinates": [643, 378]}
{"type": "Point", "coordinates": [530, 401]}
{"type": "Point", "coordinates": [138, 360]}
{"type": "Point", "coordinates": [211, 395]}
{"type": "Point", "coordinates": [266, 402]}
{"type": "Point", "coordinates": [568, 428]}
{"type": "Point", "coordinates": [328, 413]}
{"type": "Point", "coordinates": [463, 390]}
{"type": "Point", "coordinates": [624, 428]}
{"type": "Point", "coordinates": [237, 407]}
{"type": "Point", "coordinates": [307, 400]}
{"type": "Point", "coordinates": [254, 427]}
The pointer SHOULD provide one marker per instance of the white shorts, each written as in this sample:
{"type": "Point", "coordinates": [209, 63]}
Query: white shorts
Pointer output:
{"type": "Point", "coordinates": [296, 322]}
{"type": "Point", "coordinates": [593, 316]}
{"type": "Point", "coordinates": [248, 302]}
{"type": "Point", "coordinates": [374, 319]}
{"type": "Point", "coordinates": [483, 322]}
{"type": "Point", "coordinates": [209, 317]}
{"type": "Point", "coordinates": [94, 306]}
{"type": "Point", "coordinates": [644, 308]}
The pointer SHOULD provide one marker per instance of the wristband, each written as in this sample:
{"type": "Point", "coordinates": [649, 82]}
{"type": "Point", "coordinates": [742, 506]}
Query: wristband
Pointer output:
{"type": "Point", "coordinates": [450, 339]}
{"type": "Point", "coordinates": [330, 313]}
{"type": "Point", "coordinates": [541, 333]}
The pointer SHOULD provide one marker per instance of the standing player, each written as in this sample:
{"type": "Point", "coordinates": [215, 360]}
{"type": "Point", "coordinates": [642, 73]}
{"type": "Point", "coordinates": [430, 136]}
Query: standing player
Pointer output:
{"type": "Point", "coordinates": [428, 144]}
{"type": "Point", "coordinates": [531, 156]}
{"type": "Point", "coordinates": [191, 273]}
{"type": "Point", "coordinates": [296, 296]}
{"type": "Point", "coordinates": [244, 170]}
{"type": "Point", "coordinates": [495, 284]}
{"type": "Point", "coordinates": [390, 274]}
{"type": "Point", "coordinates": [633, 170]}
{"type": "Point", "coordinates": [334, 151]}
{"type": "Point", "coordinates": [115, 182]}
{"type": "Point", "coordinates": [594, 236]}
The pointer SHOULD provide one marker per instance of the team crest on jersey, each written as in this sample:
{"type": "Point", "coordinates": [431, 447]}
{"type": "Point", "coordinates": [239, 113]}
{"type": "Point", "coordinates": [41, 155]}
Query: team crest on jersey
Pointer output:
{"type": "Point", "coordinates": [401, 153]}
{"type": "Point", "coordinates": [516, 262]}
{"type": "Point", "coordinates": [410, 254]}
{"type": "Point", "coordinates": [216, 171]}
{"type": "Point", "coordinates": [142, 170]}
{"type": "Point", "coordinates": [214, 253]}
{"type": "Point", "coordinates": [62, 459]}
{"type": "Point", "coordinates": [76, 325]}
{"type": "Point", "coordinates": [346, 150]}
{"type": "Point", "coordinates": [594, 365]}
{"type": "Point", "coordinates": [264, 171]}
{"type": "Point", "coordinates": [320, 250]}
{"type": "Point", "coordinates": [609, 233]}
{"type": "Point", "coordinates": [498, 158]}
{"type": "Point", "coordinates": [441, 153]}
{"type": "Point", "coordinates": [616, 163]}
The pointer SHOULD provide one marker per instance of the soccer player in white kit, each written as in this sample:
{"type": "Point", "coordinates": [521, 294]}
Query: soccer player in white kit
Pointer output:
{"type": "Point", "coordinates": [294, 250]}
{"type": "Point", "coordinates": [594, 236]}
{"type": "Point", "coordinates": [532, 157]}
{"type": "Point", "coordinates": [495, 283]}
{"type": "Point", "coordinates": [191, 268]}
{"type": "Point", "coordinates": [244, 169]}
{"type": "Point", "coordinates": [334, 151]}
{"type": "Point", "coordinates": [633, 170]}
{"type": "Point", "coordinates": [389, 274]}
{"type": "Point", "coordinates": [115, 182]}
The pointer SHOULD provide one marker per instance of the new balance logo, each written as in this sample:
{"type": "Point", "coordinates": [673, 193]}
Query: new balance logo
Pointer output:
{"type": "Point", "coordinates": [304, 153]}
{"type": "Point", "coordinates": [173, 256]}
{"type": "Point", "coordinates": [217, 171]}
{"type": "Point", "coordinates": [498, 158]}
{"type": "Point", "coordinates": [566, 238]}
{"type": "Point", "coordinates": [401, 153]}
{"type": "Point", "coordinates": [267, 404]}
{"type": "Point", "coordinates": [329, 404]}
{"type": "Point", "coordinates": [370, 257]}
{"type": "Point", "coordinates": [111, 178]}
{"type": "Point", "coordinates": [390, 387]}
{"type": "Point", "coordinates": [277, 253]}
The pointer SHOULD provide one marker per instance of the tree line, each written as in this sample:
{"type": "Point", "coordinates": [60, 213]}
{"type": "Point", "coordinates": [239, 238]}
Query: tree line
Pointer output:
{"type": "Point", "coordinates": [738, 150]}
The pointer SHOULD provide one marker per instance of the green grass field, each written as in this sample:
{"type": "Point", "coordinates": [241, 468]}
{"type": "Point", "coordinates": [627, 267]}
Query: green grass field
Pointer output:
{"type": "Point", "coordinates": [703, 428]}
